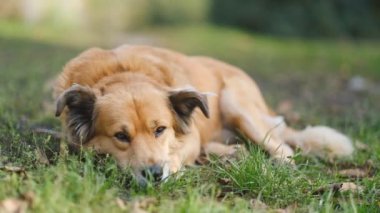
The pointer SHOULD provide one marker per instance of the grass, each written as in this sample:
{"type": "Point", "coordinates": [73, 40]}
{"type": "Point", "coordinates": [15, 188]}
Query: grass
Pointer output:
{"type": "Point", "coordinates": [311, 74]}
{"type": "Point", "coordinates": [274, 55]}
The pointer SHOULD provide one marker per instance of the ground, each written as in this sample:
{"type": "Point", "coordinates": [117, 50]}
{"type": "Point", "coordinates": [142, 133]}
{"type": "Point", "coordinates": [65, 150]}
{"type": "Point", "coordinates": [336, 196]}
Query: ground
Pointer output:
{"type": "Point", "coordinates": [333, 83]}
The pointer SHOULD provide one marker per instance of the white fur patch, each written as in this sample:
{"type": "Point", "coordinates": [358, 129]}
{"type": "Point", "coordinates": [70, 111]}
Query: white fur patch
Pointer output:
{"type": "Point", "coordinates": [166, 172]}
{"type": "Point", "coordinates": [324, 142]}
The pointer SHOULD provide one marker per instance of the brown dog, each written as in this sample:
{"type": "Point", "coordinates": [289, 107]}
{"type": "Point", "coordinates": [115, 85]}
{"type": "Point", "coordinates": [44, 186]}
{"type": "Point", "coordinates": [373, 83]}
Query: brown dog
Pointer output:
{"type": "Point", "coordinates": [155, 109]}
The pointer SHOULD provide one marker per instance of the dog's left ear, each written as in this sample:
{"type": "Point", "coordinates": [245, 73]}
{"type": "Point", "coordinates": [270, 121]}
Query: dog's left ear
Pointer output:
{"type": "Point", "coordinates": [184, 102]}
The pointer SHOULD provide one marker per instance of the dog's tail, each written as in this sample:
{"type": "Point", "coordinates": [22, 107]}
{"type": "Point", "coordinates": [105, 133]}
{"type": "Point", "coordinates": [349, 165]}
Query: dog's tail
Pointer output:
{"type": "Point", "coordinates": [320, 141]}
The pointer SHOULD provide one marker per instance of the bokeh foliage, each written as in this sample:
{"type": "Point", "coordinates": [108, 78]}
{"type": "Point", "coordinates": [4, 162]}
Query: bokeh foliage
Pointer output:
{"type": "Point", "coordinates": [309, 18]}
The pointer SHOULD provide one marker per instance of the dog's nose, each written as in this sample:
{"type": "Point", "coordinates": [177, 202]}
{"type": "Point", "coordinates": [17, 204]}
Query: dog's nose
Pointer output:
{"type": "Point", "coordinates": [154, 173]}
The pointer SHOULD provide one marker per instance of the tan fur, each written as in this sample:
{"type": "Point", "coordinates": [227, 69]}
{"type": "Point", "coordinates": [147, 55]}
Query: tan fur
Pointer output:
{"type": "Point", "coordinates": [132, 86]}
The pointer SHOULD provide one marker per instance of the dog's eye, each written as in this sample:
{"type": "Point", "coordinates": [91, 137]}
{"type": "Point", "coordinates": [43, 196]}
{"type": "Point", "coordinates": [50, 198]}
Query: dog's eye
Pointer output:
{"type": "Point", "coordinates": [121, 136]}
{"type": "Point", "coordinates": [159, 131]}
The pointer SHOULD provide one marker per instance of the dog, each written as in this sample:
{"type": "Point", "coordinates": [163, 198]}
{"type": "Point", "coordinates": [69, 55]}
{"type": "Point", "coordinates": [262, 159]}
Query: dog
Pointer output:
{"type": "Point", "coordinates": [155, 110]}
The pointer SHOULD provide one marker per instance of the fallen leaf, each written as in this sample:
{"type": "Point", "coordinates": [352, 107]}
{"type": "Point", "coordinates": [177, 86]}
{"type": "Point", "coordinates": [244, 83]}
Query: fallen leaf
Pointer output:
{"type": "Point", "coordinates": [339, 187]}
{"type": "Point", "coordinates": [224, 181]}
{"type": "Point", "coordinates": [353, 170]}
{"type": "Point", "coordinates": [333, 187]}
{"type": "Point", "coordinates": [349, 186]}
{"type": "Point", "coordinates": [353, 173]}
{"type": "Point", "coordinates": [14, 169]}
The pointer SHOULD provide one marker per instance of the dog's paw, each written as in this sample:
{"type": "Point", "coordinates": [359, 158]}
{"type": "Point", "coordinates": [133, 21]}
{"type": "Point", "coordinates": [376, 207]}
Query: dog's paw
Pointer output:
{"type": "Point", "coordinates": [222, 150]}
{"type": "Point", "coordinates": [284, 154]}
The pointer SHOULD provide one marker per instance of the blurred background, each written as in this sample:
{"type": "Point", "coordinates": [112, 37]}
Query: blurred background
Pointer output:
{"type": "Point", "coordinates": [317, 62]}
{"type": "Point", "coordinates": [309, 57]}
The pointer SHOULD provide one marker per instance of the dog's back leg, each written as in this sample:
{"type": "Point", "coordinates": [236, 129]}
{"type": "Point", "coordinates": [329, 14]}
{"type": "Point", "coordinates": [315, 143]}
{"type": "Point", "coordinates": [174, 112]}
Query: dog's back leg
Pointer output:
{"type": "Point", "coordinates": [243, 108]}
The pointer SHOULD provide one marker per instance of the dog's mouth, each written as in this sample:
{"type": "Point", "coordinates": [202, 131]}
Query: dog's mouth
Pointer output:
{"type": "Point", "coordinates": [152, 175]}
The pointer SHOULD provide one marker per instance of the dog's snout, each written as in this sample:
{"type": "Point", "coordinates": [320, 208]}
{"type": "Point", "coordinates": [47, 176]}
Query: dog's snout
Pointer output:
{"type": "Point", "coordinates": [154, 173]}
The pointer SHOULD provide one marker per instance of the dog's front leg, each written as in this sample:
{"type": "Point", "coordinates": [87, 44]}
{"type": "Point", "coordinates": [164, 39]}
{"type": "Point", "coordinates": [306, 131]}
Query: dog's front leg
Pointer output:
{"type": "Point", "coordinates": [185, 150]}
{"type": "Point", "coordinates": [222, 150]}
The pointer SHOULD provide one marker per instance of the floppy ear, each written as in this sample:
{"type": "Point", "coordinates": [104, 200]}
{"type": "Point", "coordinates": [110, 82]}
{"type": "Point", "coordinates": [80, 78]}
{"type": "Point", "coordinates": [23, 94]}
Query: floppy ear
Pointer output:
{"type": "Point", "coordinates": [80, 102]}
{"type": "Point", "coordinates": [183, 103]}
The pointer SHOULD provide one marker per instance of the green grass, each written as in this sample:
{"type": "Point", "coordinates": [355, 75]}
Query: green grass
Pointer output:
{"type": "Point", "coordinates": [274, 55]}
{"type": "Point", "coordinates": [312, 74]}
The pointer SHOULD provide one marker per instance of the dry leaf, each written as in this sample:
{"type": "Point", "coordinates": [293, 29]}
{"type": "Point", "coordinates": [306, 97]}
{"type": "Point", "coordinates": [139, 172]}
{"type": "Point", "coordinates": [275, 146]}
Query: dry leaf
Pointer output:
{"type": "Point", "coordinates": [339, 187]}
{"type": "Point", "coordinates": [14, 169]}
{"type": "Point", "coordinates": [349, 186]}
{"type": "Point", "coordinates": [353, 173]}
{"type": "Point", "coordinates": [224, 181]}
{"type": "Point", "coordinates": [333, 187]}
{"type": "Point", "coordinates": [357, 171]}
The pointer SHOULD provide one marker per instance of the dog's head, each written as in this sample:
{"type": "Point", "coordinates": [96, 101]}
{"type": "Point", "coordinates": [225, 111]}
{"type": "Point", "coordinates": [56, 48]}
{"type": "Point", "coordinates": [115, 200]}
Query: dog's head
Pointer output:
{"type": "Point", "coordinates": [137, 125]}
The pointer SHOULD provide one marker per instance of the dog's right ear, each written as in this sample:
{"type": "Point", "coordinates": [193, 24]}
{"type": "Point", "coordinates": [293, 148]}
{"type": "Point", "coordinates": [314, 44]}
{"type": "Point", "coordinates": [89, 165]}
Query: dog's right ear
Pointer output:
{"type": "Point", "coordinates": [183, 103]}
{"type": "Point", "coordinates": [80, 102]}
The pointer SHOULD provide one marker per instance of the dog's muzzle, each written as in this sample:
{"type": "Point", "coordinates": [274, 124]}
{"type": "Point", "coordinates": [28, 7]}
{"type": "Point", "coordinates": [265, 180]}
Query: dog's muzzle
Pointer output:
{"type": "Point", "coordinates": [152, 174]}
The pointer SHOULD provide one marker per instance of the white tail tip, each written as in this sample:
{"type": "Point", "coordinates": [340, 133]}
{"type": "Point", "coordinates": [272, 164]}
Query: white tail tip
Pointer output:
{"type": "Point", "coordinates": [323, 141]}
